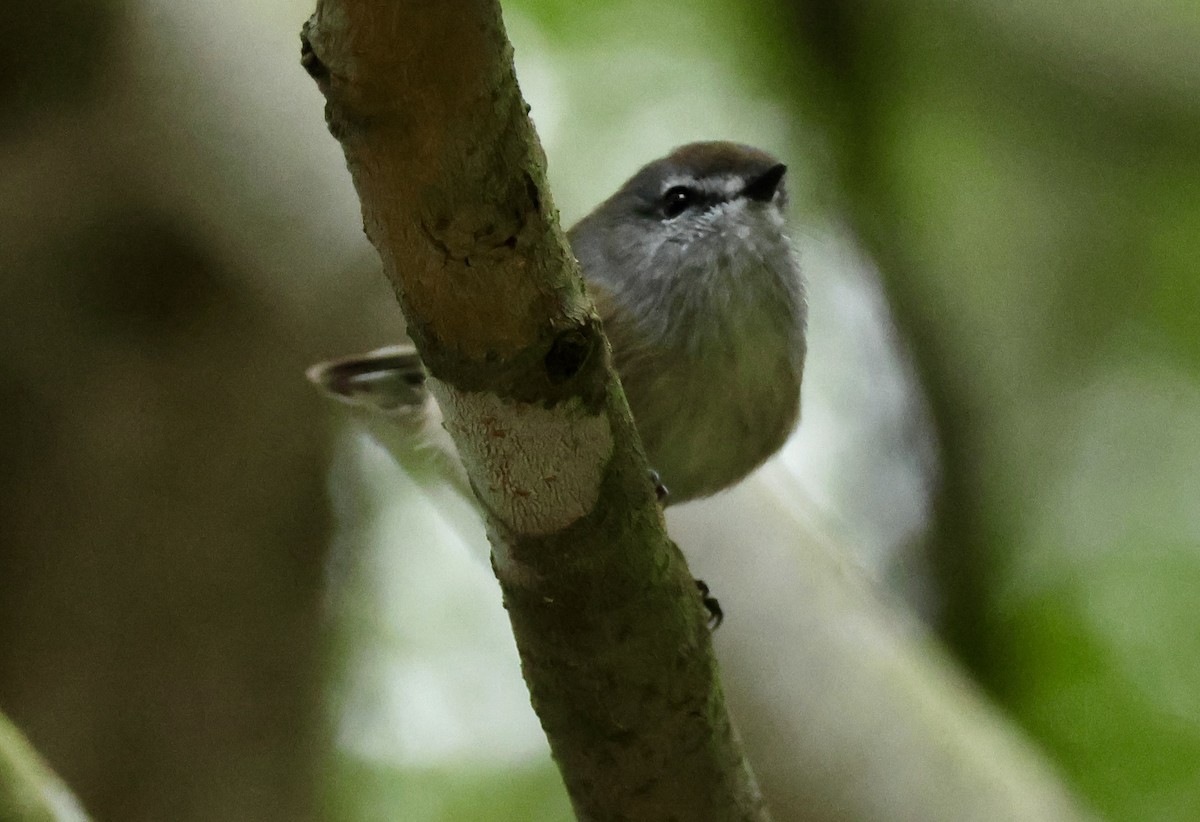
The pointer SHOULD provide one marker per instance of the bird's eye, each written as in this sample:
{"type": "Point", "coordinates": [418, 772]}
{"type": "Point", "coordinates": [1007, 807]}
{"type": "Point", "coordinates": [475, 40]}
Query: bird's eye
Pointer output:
{"type": "Point", "coordinates": [677, 200]}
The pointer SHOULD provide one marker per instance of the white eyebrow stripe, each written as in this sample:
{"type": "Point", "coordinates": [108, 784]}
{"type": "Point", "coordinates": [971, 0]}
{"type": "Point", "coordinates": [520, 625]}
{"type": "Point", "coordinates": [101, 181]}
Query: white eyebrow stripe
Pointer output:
{"type": "Point", "coordinates": [676, 180]}
{"type": "Point", "coordinates": [728, 185]}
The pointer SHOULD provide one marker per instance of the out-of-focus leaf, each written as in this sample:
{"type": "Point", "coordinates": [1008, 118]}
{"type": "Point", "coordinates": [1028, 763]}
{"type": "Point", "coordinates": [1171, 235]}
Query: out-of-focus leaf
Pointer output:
{"type": "Point", "coordinates": [29, 790]}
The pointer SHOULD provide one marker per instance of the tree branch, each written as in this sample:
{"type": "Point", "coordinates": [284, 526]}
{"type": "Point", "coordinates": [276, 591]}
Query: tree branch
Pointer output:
{"type": "Point", "coordinates": [611, 632]}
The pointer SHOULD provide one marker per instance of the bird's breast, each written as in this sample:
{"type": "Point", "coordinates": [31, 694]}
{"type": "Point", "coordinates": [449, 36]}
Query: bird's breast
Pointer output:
{"type": "Point", "coordinates": [711, 411]}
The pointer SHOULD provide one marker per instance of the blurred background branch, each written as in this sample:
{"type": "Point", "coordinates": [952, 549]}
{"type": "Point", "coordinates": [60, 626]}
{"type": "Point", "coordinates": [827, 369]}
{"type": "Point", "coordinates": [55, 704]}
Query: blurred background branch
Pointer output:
{"type": "Point", "coordinates": [29, 790]}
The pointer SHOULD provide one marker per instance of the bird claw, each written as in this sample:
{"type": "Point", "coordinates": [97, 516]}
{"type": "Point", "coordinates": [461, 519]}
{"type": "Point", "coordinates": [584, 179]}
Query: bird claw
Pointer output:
{"type": "Point", "coordinates": [661, 492]}
{"type": "Point", "coordinates": [715, 615]}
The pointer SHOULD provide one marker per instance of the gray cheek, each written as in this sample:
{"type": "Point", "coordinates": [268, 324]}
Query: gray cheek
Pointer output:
{"type": "Point", "coordinates": [623, 256]}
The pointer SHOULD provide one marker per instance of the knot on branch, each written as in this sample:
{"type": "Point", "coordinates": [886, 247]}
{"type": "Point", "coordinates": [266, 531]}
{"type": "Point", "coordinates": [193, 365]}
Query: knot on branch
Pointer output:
{"type": "Point", "coordinates": [568, 354]}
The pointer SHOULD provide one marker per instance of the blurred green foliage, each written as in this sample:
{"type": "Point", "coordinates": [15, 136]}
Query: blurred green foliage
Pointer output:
{"type": "Point", "coordinates": [533, 794]}
{"type": "Point", "coordinates": [1028, 177]}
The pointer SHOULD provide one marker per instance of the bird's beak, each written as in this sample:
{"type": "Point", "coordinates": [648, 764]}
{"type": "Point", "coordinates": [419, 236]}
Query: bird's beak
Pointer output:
{"type": "Point", "coordinates": [764, 186]}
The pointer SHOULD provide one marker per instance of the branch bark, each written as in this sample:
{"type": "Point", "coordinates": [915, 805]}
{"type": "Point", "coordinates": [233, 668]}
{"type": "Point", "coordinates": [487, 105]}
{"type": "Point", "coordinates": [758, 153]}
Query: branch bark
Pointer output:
{"type": "Point", "coordinates": [610, 629]}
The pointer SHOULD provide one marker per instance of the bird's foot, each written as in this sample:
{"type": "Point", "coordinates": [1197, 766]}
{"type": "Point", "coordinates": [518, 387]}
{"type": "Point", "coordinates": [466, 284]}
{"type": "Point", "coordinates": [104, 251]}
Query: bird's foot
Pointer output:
{"type": "Point", "coordinates": [660, 491]}
{"type": "Point", "coordinates": [715, 615]}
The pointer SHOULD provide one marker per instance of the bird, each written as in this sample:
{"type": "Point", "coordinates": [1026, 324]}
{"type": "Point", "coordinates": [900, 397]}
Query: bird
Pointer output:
{"type": "Point", "coordinates": [700, 293]}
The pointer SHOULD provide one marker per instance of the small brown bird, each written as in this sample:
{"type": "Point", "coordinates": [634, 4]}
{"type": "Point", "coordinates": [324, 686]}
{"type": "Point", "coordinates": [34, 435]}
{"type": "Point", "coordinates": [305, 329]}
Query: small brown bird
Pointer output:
{"type": "Point", "coordinates": [701, 297]}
